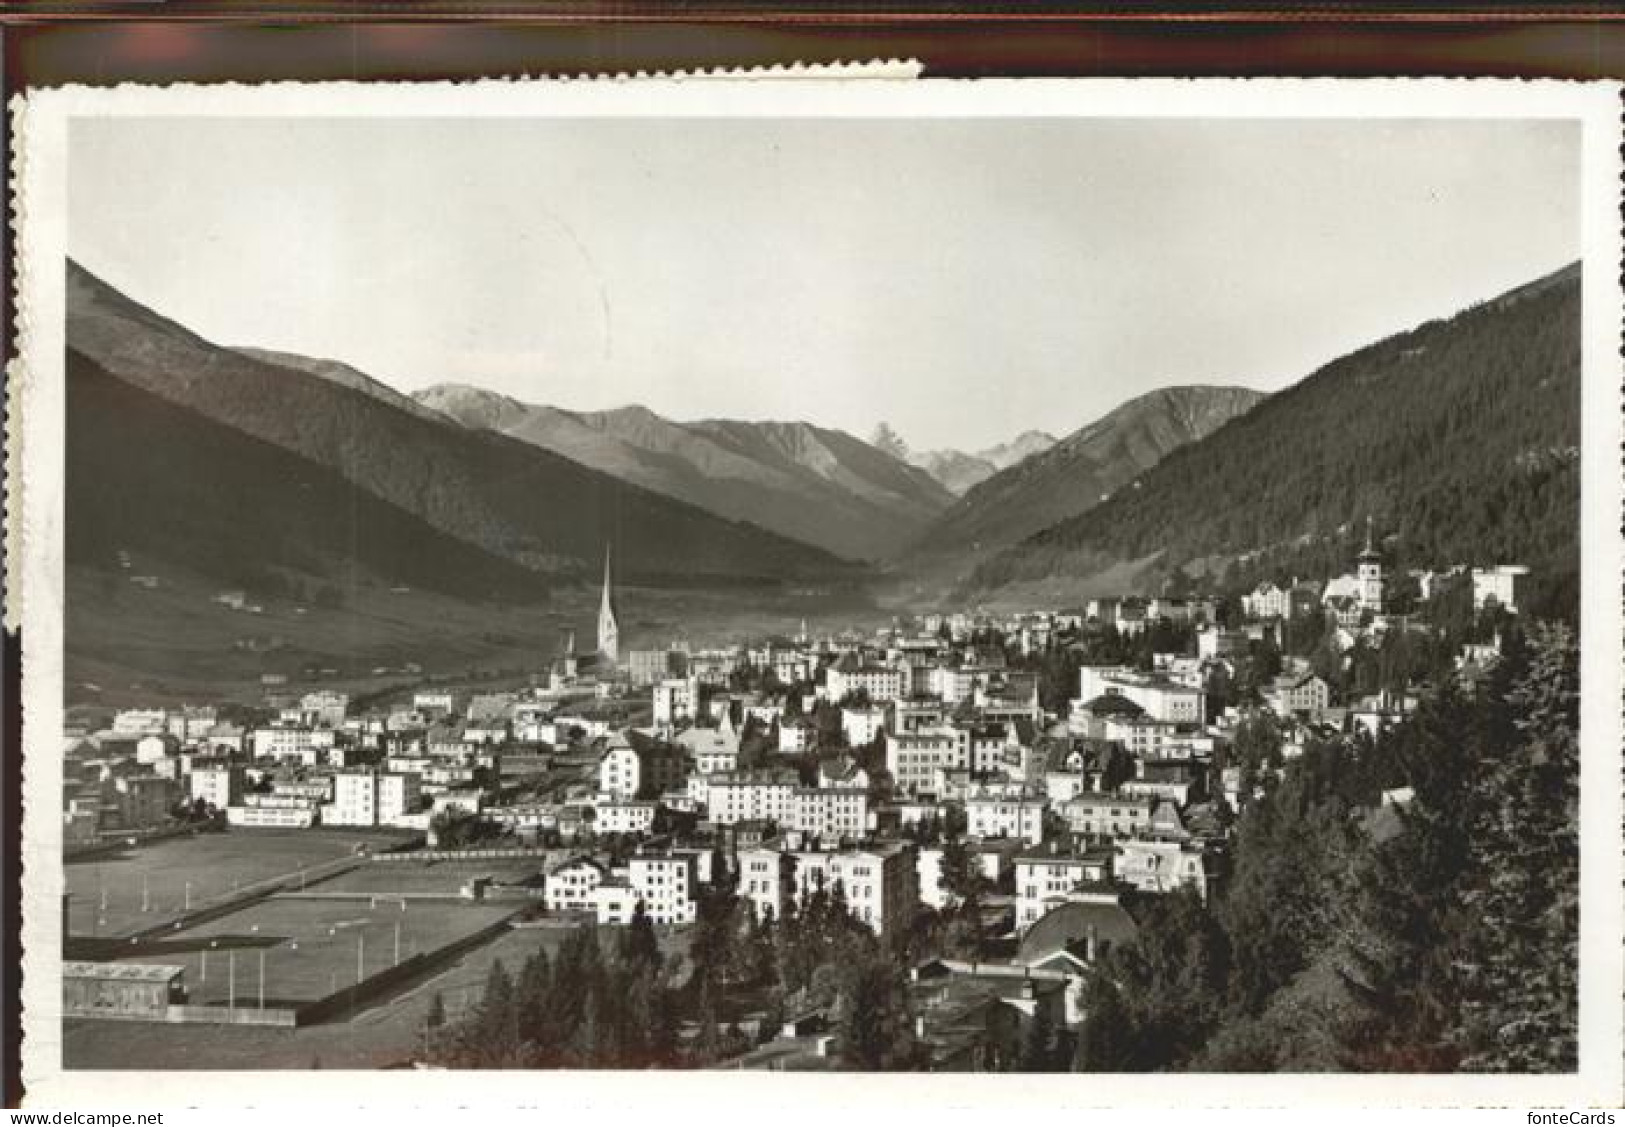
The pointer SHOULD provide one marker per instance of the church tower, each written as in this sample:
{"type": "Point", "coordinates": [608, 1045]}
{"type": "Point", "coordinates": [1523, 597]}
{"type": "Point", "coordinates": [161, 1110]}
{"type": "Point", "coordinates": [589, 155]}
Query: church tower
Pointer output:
{"type": "Point", "coordinates": [609, 631]}
{"type": "Point", "coordinates": [1369, 574]}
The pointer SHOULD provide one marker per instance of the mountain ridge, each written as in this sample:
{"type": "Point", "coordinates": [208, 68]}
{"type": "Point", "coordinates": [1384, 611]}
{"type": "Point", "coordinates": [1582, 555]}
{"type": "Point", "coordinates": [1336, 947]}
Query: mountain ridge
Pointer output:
{"type": "Point", "coordinates": [1076, 472]}
{"type": "Point", "coordinates": [508, 498]}
{"type": "Point", "coordinates": [1459, 437]}
{"type": "Point", "coordinates": [813, 484]}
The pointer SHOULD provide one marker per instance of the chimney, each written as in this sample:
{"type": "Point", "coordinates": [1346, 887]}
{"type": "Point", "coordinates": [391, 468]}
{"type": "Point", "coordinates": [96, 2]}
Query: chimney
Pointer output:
{"type": "Point", "coordinates": [1092, 943]}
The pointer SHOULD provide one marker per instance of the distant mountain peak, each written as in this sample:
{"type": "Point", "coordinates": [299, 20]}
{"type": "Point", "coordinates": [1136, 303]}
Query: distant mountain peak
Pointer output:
{"type": "Point", "coordinates": [810, 483]}
{"type": "Point", "coordinates": [1062, 478]}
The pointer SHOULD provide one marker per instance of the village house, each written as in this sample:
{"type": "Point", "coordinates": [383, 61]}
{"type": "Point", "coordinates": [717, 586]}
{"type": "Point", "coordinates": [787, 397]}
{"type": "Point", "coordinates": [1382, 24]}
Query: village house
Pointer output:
{"type": "Point", "coordinates": [1020, 819]}
{"type": "Point", "coordinates": [879, 883]}
{"type": "Point", "coordinates": [914, 758]}
{"type": "Point", "coordinates": [218, 784]}
{"type": "Point", "coordinates": [1501, 586]}
{"type": "Point", "coordinates": [676, 701]}
{"type": "Point", "coordinates": [1072, 937]}
{"type": "Point", "coordinates": [1298, 695]}
{"type": "Point", "coordinates": [711, 750]}
{"type": "Point", "coordinates": [1159, 697]}
{"type": "Point", "coordinates": [973, 1017]}
{"type": "Point", "coordinates": [665, 883]}
{"type": "Point", "coordinates": [796, 737]}
{"type": "Point", "coordinates": [915, 713]}
{"type": "Point", "coordinates": [371, 798]}
{"type": "Point", "coordinates": [862, 725]}
{"type": "Point", "coordinates": [1179, 779]}
{"type": "Point", "coordinates": [831, 813]}
{"type": "Point", "coordinates": [1161, 866]}
{"type": "Point", "coordinates": [765, 880]}
{"type": "Point", "coordinates": [743, 796]}
{"type": "Point", "coordinates": [881, 684]}
{"type": "Point", "coordinates": [623, 816]}
{"type": "Point", "coordinates": [1046, 879]}
{"type": "Point", "coordinates": [642, 769]}
{"type": "Point", "coordinates": [570, 884]}
{"type": "Point", "coordinates": [1108, 815]}
{"type": "Point", "coordinates": [950, 685]}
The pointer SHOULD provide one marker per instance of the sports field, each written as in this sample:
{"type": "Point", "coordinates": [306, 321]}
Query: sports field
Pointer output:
{"type": "Point", "coordinates": [149, 885]}
{"type": "Point", "coordinates": [432, 877]}
{"type": "Point", "coordinates": [310, 948]}
{"type": "Point", "coordinates": [384, 1034]}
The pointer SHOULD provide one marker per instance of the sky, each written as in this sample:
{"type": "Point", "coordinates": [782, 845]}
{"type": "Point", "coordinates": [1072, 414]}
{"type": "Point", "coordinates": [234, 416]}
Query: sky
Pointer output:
{"type": "Point", "coordinates": [962, 280]}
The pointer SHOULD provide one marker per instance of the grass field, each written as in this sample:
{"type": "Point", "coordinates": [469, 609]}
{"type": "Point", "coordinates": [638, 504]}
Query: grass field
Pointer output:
{"type": "Point", "coordinates": [388, 1033]}
{"type": "Point", "coordinates": [443, 877]}
{"type": "Point", "coordinates": [147, 886]}
{"type": "Point", "coordinates": [310, 948]}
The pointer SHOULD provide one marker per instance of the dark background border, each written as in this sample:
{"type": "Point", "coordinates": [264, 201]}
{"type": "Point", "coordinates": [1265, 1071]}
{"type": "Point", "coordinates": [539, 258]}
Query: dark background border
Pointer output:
{"type": "Point", "coordinates": [104, 42]}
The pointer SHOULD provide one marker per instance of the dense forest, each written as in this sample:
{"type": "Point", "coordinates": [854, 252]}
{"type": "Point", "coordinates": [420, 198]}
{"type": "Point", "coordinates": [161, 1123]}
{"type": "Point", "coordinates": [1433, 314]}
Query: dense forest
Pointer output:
{"type": "Point", "coordinates": [1439, 934]}
{"type": "Point", "coordinates": [1460, 439]}
{"type": "Point", "coordinates": [624, 1003]}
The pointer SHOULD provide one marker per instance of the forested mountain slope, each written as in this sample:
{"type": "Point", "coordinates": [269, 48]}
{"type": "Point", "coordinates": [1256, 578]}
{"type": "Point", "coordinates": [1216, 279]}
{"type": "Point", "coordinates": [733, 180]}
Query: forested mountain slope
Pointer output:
{"type": "Point", "coordinates": [1460, 439]}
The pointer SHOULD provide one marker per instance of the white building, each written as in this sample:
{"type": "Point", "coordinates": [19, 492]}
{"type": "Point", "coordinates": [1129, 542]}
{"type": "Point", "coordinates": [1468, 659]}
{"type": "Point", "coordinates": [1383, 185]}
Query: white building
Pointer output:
{"type": "Point", "coordinates": [434, 702]}
{"type": "Point", "coordinates": [624, 817]}
{"type": "Point", "coordinates": [951, 685]}
{"type": "Point", "coordinates": [157, 748]}
{"type": "Point", "coordinates": [303, 744]}
{"type": "Point", "coordinates": [625, 771]}
{"type": "Point", "coordinates": [619, 770]}
{"type": "Point", "coordinates": [713, 750]}
{"type": "Point", "coordinates": [882, 683]}
{"type": "Point", "coordinates": [1107, 815]}
{"type": "Point", "coordinates": [140, 722]}
{"type": "Point", "coordinates": [765, 880]}
{"type": "Point", "coordinates": [1288, 696]}
{"type": "Point", "coordinates": [1160, 866]}
{"type": "Point", "coordinates": [1268, 601]}
{"type": "Point", "coordinates": [324, 708]}
{"type": "Point", "coordinates": [665, 882]}
{"type": "Point", "coordinates": [833, 813]}
{"type": "Point", "coordinates": [749, 797]}
{"type": "Point", "coordinates": [993, 816]}
{"type": "Point", "coordinates": [797, 736]}
{"type": "Point", "coordinates": [881, 885]}
{"type": "Point", "coordinates": [1212, 642]}
{"type": "Point", "coordinates": [1044, 880]}
{"type": "Point", "coordinates": [220, 786]}
{"type": "Point", "coordinates": [570, 884]}
{"type": "Point", "coordinates": [676, 701]}
{"type": "Point", "coordinates": [298, 816]}
{"type": "Point", "coordinates": [1159, 697]}
{"type": "Point", "coordinates": [862, 725]}
{"type": "Point", "coordinates": [1500, 586]}
{"type": "Point", "coordinates": [370, 798]}
{"type": "Point", "coordinates": [914, 758]}
{"type": "Point", "coordinates": [1368, 575]}
{"type": "Point", "coordinates": [1143, 737]}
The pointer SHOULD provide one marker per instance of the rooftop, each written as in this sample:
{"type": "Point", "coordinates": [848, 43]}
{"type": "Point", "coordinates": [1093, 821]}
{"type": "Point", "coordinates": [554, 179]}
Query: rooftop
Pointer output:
{"type": "Point", "coordinates": [122, 972]}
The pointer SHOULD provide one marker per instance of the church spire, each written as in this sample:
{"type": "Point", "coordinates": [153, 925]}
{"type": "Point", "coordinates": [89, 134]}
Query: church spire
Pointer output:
{"type": "Point", "coordinates": [1370, 551]}
{"type": "Point", "coordinates": [609, 631]}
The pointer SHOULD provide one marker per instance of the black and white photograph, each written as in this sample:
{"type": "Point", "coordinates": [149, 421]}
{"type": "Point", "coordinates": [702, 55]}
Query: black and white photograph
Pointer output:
{"type": "Point", "coordinates": [715, 579]}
